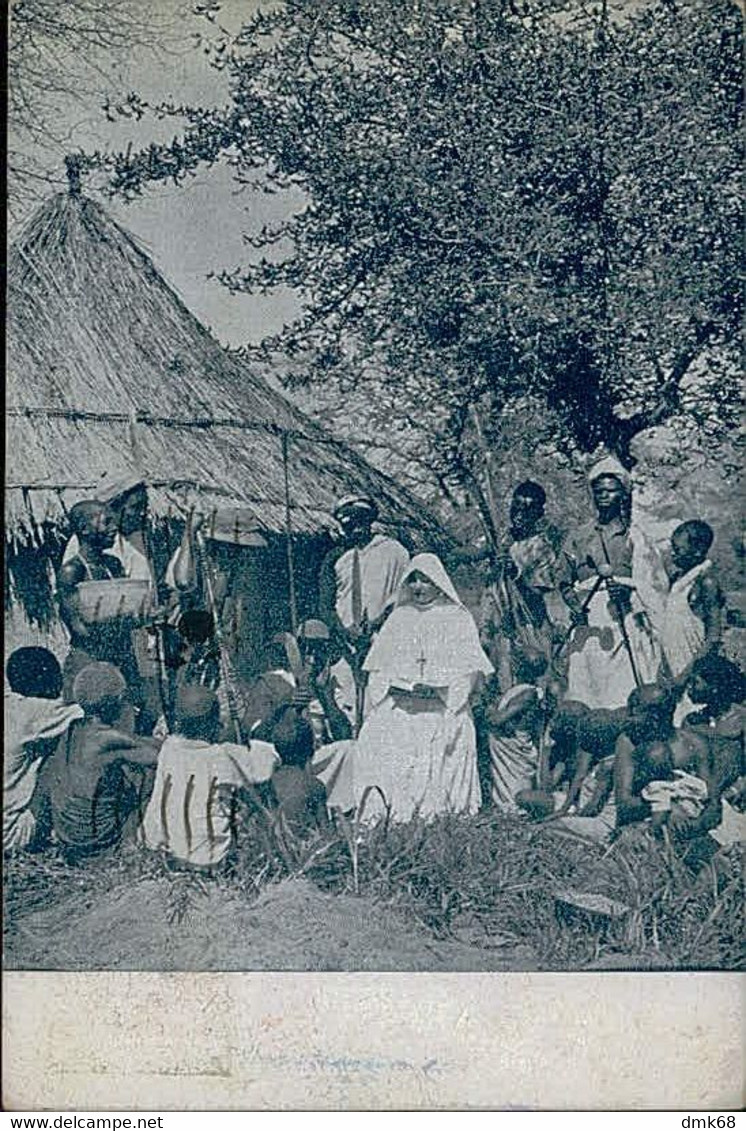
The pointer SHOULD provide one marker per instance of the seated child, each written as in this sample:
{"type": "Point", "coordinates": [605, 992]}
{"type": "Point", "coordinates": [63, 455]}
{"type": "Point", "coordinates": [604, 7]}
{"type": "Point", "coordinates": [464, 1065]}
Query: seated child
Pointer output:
{"type": "Point", "coordinates": [300, 796]}
{"type": "Point", "coordinates": [642, 753]}
{"type": "Point", "coordinates": [513, 735]}
{"type": "Point", "coordinates": [708, 753]}
{"type": "Point", "coordinates": [586, 743]}
{"type": "Point", "coordinates": [91, 794]}
{"type": "Point", "coordinates": [189, 816]}
{"type": "Point", "coordinates": [191, 656]}
{"type": "Point", "coordinates": [302, 675]}
{"type": "Point", "coordinates": [718, 688]}
{"type": "Point", "coordinates": [35, 719]}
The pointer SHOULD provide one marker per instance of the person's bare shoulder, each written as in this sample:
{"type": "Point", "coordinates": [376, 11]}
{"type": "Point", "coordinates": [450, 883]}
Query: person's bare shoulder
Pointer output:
{"type": "Point", "coordinates": [71, 574]}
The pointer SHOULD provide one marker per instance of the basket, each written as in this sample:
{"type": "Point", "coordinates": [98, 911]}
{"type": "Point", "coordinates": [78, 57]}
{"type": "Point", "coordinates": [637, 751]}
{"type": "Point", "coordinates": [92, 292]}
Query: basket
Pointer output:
{"type": "Point", "coordinates": [116, 597]}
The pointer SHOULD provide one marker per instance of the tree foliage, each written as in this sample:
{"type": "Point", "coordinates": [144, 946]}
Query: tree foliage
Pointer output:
{"type": "Point", "coordinates": [61, 53]}
{"type": "Point", "coordinates": [505, 200]}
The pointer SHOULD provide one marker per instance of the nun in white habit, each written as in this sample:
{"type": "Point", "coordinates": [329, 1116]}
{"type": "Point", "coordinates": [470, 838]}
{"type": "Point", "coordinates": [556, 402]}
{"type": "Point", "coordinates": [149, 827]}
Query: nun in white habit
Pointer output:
{"type": "Point", "coordinates": [418, 743]}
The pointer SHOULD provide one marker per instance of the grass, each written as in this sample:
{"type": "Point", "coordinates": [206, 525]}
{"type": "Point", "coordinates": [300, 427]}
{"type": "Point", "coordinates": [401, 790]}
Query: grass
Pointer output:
{"type": "Point", "coordinates": [489, 880]}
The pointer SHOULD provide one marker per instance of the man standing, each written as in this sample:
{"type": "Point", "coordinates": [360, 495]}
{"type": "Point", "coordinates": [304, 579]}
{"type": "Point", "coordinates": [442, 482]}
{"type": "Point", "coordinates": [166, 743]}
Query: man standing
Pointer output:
{"type": "Point", "coordinates": [108, 641]}
{"type": "Point", "coordinates": [127, 498]}
{"type": "Point", "coordinates": [517, 628]}
{"type": "Point", "coordinates": [357, 583]}
{"type": "Point", "coordinates": [608, 586]}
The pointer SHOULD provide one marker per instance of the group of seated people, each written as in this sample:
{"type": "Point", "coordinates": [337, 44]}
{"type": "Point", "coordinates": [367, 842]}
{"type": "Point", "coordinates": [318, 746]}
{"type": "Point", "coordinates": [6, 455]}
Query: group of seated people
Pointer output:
{"type": "Point", "coordinates": [393, 701]}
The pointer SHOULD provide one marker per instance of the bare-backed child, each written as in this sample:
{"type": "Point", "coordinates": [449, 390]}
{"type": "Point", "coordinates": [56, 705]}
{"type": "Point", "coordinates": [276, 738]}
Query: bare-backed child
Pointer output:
{"type": "Point", "coordinates": [35, 719]}
{"type": "Point", "coordinates": [680, 778]}
{"type": "Point", "coordinates": [586, 744]}
{"type": "Point", "coordinates": [707, 757]}
{"type": "Point", "coordinates": [300, 796]}
{"type": "Point", "coordinates": [95, 789]}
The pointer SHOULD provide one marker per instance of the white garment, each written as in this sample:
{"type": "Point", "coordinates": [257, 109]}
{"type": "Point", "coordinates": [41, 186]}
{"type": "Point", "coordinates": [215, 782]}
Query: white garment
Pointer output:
{"type": "Point", "coordinates": [599, 670]}
{"type": "Point", "coordinates": [683, 632]}
{"type": "Point", "coordinates": [514, 761]}
{"type": "Point", "coordinates": [687, 791]}
{"type": "Point", "coordinates": [344, 690]}
{"type": "Point", "coordinates": [134, 563]}
{"type": "Point", "coordinates": [31, 726]}
{"type": "Point", "coordinates": [187, 815]}
{"type": "Point", "coordinates": [382, 564]}
{"type": "Point", "coordinates": [732, 827]}
{"type": "Point", "coordinates": [420, 752]}
{"type": "Point", "coordinates": [599, 828]}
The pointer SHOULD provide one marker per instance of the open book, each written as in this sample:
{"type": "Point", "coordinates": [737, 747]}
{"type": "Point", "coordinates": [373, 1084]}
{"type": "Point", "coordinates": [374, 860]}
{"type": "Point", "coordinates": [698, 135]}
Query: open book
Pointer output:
{"type": "Point", "coordinates": [417, 690]}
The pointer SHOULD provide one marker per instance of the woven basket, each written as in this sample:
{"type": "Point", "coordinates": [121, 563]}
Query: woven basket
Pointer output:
{"type": "Point", "coordinates": [117, 597]}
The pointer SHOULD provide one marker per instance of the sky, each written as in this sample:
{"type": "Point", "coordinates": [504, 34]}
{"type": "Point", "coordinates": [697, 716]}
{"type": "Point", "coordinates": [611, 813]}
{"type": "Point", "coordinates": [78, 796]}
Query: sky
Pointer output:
{"type": "Point", "coordinates": [192, 229]}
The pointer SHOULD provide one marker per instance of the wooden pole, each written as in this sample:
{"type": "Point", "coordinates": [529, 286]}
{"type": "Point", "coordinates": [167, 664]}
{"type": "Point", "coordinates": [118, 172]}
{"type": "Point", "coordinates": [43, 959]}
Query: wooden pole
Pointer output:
{"type": "Point", "coordinates": [160, 657]}
{"type": "Point", "coordinates": [289, 536]}
{"type": "Point", "coordinates": [489, 485]}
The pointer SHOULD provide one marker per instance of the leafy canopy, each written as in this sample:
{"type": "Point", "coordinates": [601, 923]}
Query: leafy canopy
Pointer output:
{"type": "Point", "coordinates": [504, 199]}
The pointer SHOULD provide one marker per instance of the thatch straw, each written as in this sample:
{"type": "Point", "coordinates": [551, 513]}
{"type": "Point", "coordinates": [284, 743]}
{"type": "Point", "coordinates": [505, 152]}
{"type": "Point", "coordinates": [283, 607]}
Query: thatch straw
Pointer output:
{"type": "Point", "coordinates": [96, 340]}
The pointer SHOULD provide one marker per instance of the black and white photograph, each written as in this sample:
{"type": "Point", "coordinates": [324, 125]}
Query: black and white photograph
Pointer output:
{"type": "Point", "coordinates": [374, 594]}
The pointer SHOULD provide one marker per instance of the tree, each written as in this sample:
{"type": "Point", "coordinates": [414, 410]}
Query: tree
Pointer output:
{"type": "Point", "coordinates": [507, 201]}
{"type": "Point", "coordinates": [61, 53]}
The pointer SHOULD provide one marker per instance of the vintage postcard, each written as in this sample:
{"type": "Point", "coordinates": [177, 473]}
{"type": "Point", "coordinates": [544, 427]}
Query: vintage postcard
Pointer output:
{"type": "Point", "coordinates": [374, 605]}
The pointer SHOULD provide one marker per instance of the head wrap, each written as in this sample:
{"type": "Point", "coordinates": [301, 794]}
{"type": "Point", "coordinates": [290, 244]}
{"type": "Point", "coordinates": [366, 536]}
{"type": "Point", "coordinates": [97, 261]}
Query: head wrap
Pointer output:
{"type": "Point", "coordinates": [610, 465]}
{"type": "Point", "coordinates": [113, 487]}
{"type": "Point", "coordinates": [360, 503]}
{"type": "Point", "coordinates": [96, 683]}
{"type": "Point", "coordinates": [442, 637]}
{"type": "Point", "coordinates": [525, 693]}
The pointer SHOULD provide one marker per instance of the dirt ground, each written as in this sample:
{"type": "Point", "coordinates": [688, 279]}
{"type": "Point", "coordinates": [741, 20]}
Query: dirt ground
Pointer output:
{"type": "Point", "coordinates": [156, 924]}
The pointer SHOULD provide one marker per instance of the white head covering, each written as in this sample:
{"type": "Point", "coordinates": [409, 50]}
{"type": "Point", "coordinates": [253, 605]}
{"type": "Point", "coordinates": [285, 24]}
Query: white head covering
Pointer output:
{"type": "Point", "coordinates": [434, 645]}
{"type": "Point", "coordinates": [360, 503]}
{"type": "Point", "coordinates": [610, 465]}
{"type": "Point", "coordinates": [433, 569]}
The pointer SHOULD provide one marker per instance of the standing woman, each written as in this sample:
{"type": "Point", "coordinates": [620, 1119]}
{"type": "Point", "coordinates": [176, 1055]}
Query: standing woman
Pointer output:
{"type": "Point", "coordinates": [418, 743]}
{"type": "Point", "coordinates": [611, 588]}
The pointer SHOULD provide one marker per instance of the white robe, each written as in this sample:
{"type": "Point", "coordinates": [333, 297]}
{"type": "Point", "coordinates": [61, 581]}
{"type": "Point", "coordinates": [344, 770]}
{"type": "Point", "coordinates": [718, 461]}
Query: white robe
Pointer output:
{"type": "Point", "coordinates": [420, 753]}
{"type": "Point", "coordinates": [186, 816]}
{"type": "Point", "coordinates": [382, 564]}
{"type": "Point", "coordinates": [683, 631]}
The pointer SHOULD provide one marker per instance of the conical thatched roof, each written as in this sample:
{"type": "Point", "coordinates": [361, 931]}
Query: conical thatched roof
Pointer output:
{"type": "Point", "coordinates": [108, 371]}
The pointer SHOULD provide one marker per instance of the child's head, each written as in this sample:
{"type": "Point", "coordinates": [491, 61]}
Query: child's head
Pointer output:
{"type": "Point", "coordinates": [35, 673]}
{"type": "Point", "coordinates": [314, 641]}
{"type": "Point", "coordinates": [197, 713]}
{"type": "Point", "coordinates": [196, 626]}
{"type": "Point", "coordinates": [291, 734]}
{"type": "Point", "coordinates": [650, 711]}
{"type": "Point", "coordinates": [690, 543]}
{"type": "Point", "coordinates": [101, 690]}
{"type": "Point", "coordinates": [716, 682]}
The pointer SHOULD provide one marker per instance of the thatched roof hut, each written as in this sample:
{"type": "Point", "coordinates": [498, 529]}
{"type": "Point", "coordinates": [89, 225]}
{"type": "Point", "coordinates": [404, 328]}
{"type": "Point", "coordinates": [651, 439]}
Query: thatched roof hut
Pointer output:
{"type": "Point", "coordinates": [108, 371]}
{"type": "Point", "coordinates": [101, 347]}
